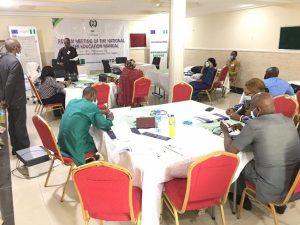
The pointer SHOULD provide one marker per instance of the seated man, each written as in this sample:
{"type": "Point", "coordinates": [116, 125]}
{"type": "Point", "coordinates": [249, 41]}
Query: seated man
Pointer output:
{"type": "Point", "coordinates": [74, 139]}
{"type": "Point", "coordinates": [276, 154]}
{"type": "Point", "coordinates": [207, 78]}
{"type": "Point", "coordinates": [276, 85]}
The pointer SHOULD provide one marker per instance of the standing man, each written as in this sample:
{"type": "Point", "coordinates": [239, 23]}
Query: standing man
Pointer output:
{"type": "Point", "coordinates": [13, 95]}
{"type": "Point", "coordinates": [67, 57]}
{"type": "Point", "coordinates": [234, 66]}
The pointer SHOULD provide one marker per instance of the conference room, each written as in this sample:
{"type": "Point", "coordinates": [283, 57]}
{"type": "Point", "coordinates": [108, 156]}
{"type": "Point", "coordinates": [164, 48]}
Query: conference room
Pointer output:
{"type": "Point", "coordinates": [158, 143]}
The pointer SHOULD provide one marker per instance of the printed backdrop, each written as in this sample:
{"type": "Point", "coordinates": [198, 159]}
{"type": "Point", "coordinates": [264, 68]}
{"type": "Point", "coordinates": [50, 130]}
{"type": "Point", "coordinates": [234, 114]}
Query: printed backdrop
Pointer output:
{"type": "Point", "coordinates": [94, 40]}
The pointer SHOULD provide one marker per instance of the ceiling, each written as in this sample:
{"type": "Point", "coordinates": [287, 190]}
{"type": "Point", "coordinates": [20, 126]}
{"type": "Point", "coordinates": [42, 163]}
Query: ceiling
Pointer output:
{"type": "Point", "coordinates": [128, 7]}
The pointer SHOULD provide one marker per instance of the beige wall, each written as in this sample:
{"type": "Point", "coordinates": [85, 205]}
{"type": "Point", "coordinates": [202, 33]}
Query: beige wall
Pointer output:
{"type": "Point", "coordinates": [253, 33]}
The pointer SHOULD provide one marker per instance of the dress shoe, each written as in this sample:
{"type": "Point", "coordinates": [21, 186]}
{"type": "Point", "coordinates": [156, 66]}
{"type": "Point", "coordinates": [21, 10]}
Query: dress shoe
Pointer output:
{"type": "Point", "coordinates": [280, 209]}
{"type": "Point", "coordinates": [247, 203]}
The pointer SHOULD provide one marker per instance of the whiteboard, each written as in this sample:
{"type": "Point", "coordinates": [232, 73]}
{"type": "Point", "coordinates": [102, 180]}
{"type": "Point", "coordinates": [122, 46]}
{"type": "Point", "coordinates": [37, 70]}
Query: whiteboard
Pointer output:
{"type": "Point", "coordinates": [30, 50]}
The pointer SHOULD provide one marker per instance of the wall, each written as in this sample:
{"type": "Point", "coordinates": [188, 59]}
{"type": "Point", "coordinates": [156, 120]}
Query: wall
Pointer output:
{"type": "Point", "coordinates": [254, 33]}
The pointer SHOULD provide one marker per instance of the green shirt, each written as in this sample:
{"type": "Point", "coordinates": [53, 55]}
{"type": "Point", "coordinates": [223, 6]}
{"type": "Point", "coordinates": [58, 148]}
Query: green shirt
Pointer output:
{"type": "Point", "coordinates": [74, 139]}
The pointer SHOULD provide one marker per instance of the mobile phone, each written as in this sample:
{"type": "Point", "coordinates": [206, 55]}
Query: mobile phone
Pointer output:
{"type": "Point", "coordinates": [135, 130]}
{"type": "Point", "coordinates": [209, 109]}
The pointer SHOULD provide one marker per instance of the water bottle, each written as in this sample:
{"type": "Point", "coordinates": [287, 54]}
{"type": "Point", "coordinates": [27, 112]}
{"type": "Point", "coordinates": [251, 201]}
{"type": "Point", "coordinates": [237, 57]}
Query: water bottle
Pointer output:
{"type": "Point", "coordinates": [172, 131]}
{"type": "Point", "coordinates": [2, 115]}
{"type": "Point", "coordinates": [157, 120]}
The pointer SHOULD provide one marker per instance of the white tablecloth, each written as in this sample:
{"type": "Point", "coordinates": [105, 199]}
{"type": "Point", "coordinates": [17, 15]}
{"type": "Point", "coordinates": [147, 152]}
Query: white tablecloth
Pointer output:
{"type": "Point", "coordinates": [151, 162]}
{"type": "Point", "coordinates": [145, 67]}
{"type": "Point", "coordinates": [76, 92]}
{"type": "Point", "coordinates": [159, 78]}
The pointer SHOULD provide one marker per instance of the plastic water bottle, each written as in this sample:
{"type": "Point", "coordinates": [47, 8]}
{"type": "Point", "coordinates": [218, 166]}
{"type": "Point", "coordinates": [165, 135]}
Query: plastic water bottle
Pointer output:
{"type": "Point", "coordinates": [157, 120]}
{"type": "Point", "coordinates": [2, 115]}
{"type": "Point", "coordinates": [172, 130]}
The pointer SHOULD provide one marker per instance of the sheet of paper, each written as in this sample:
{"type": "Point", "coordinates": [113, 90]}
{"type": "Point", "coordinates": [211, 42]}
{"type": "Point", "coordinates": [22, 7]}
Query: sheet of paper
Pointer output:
{"type": "Point", "coordinates": [122, 131]}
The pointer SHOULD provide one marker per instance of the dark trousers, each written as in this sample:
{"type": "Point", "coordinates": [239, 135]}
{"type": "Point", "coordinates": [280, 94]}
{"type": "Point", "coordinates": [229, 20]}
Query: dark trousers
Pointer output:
{"type": "Point", "coordinates": [248, 173]}
{"type": "Point", "coordinates": [197, 87]}
{"type": "Point", "coordinates": [17, 127]}
{"type": "Point", "coordinates": [57, 98]}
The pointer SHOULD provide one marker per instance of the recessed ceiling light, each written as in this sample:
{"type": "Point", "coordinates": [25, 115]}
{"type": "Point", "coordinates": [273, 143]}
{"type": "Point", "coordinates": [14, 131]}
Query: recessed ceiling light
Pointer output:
{"type": "Point", "coordinates": [157, 4]}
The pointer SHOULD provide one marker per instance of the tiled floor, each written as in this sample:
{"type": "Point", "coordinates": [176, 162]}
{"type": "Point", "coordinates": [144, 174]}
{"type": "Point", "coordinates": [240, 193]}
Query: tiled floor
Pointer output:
{"type": "Point", "coordinates": [36, 205]}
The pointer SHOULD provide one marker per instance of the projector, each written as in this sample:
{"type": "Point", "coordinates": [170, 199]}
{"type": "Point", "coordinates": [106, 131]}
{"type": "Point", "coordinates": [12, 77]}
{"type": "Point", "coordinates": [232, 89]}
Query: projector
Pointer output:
{"type": "Point", "coordinates": [35, 159]}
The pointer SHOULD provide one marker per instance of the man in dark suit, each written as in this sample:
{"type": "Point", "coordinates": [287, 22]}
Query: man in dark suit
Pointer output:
{"type": "Point", "coordinates": [68, 57]}
{"type": "Point", "coordinates": [13, 95]}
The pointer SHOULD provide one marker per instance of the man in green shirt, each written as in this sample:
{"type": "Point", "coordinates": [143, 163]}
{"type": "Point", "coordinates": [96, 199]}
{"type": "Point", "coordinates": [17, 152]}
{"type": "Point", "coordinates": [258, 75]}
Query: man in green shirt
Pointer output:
{"type": "Point", "coordinates": [74, 139]}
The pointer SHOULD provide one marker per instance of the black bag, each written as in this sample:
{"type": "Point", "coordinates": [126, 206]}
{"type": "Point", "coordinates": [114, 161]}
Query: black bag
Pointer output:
{"type": "Point", "coordinates": [296, 87]}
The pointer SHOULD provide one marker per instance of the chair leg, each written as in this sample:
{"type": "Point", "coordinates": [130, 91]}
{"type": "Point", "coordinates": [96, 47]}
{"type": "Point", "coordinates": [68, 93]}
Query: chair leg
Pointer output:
{"type": "Point", "coordinates": [175, 216]}
{"type": "Point", "coordinates": [241, 204]}
{"type": "Point", "coordinates": [208, 95]}
{"type": "Point", "coordinates": [65, 186]}
{"type": "Point", "coordinates": [274, 214]}
{"type": "Point", "coordinates": [213, 216]}
{"type": "Point", "coordinates": [222, 214]}
{"type": "Point", "coordinates": [138, 222]}
{"type": "Point", "coordinates": [101, 222]}
{"type": "Point", "coordinates": [161, 209]}
{"type": "Point", "coordinates": [49, 172]}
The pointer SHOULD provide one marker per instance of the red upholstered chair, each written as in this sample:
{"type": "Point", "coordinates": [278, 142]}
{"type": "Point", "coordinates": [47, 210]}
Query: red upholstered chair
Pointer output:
{"type": "Point", "coordinates": [286, 105]}
{"type": "Point", "coordinates": [40, 106]}
{"type": "Point", "coordinates": [49, 142]}
{"type": "Point", "coordinates": [207, 184]}
{"type": "Point", "coordinates": [292, 195]}
{"type": "Point", "coordinates": [103, 90]}
{"type": "Point", "coordinates": [221, 79]}
{"type": "Point", "coordinates": [298, 100]}
{"type": "Point", "coordinates": [182, 92]}
{"type": "Point", "coordinates": [106, 193]}
{"type": "Point", "coordinates": [141, 89]}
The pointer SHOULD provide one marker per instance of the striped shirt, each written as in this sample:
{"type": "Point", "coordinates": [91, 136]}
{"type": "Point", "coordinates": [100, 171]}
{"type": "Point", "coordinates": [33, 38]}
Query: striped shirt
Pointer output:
{"type": "Point", "coordinates": [49, 87]}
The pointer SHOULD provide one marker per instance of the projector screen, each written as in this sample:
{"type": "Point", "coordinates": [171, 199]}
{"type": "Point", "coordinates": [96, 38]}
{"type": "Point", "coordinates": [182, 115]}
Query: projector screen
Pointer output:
{"type": "Point", "coordinates": [289, 38]}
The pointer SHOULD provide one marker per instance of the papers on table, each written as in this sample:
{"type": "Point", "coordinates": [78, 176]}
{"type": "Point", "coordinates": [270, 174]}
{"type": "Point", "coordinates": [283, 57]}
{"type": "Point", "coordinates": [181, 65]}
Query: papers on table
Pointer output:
{"type": "Point", "coordinates": [61, 79]}
{"type": "Point", "coordinates": [211, 117]}
{"type": "Point", "coordinates": [122, 131]}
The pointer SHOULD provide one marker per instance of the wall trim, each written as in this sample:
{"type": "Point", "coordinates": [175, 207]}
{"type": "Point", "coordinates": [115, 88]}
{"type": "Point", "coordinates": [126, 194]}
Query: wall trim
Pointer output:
{"type": "Point", "coordinates": [248, 50]}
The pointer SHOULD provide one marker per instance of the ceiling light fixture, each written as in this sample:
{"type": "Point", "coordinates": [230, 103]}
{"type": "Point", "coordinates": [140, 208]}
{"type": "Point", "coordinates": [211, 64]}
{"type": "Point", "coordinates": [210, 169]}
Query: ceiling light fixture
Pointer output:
{"type": "Point", "coordinates": [157, 4]}
{"type": "Point", "coordinates": [6, 3]}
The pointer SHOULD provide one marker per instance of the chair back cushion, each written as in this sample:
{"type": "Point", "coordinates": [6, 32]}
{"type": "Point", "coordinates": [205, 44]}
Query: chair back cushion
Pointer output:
{"type": "Point", "coordinates": [120, 60]}
{"type": "Point", "coordinates": [182, 92]}
{"type": "Point", "coordinates": [106, 66]}
{"type": "Point", "coordinates": [141, 87]}
{"type": "Point", "coordinates": [103, 94]}
{"type": "Point", "coordinates": [46, 135]}
{"type": "Point", "coordinates": [211, 178]}
{"type": "Point", "coordinates": [223, 74]}
{"type": "Point", "coordinates": [104, 192]}
{"type": "Point", "coordinates": [286, 105]}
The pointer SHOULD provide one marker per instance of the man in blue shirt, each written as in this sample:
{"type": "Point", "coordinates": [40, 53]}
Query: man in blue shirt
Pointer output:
{"type": "Point", "coordinates": [276, 85]}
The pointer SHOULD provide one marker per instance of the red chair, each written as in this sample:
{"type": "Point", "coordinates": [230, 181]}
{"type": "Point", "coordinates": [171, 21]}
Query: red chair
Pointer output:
{"type": "Point", "coordinates": [207, 184]}
{"type": "Point", "coordinates": [298, 100]}
{"type": "Point", "coordinates": [250, 191]}
{"type": "Point", "coordinates": [40, 106]}
{"type": "Point", "coordinates": [141, 89]}
{"type": "Point", "coordinates": [220, 82]}
{"type": "Point", "coordinates": [49, 142]}
{"type": "Point", "coordinates": [103, 90]}
{"type": "Point", "coordinates": [182, 92]}
{"type": "Point", "coordinates": [286, 105]}
{"type": "Point", "coordinates": [106, 193]}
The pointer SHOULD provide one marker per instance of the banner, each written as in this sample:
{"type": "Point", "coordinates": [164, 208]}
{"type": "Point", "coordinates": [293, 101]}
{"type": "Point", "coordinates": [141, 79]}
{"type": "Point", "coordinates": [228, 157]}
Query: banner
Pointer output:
{"type": "Point", "coordinates": [94, 40]}
{"type": "Point", "coordinates": [30, 50]}
{"type": "Point", "coordinates": [159, 44]}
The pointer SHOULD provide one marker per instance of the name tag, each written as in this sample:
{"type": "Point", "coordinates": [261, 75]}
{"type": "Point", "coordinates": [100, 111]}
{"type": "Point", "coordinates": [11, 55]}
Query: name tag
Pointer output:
{"type": "Point", "coordinates": [232, 65]}
{"type": "Point", "coordinates": [68, 52]}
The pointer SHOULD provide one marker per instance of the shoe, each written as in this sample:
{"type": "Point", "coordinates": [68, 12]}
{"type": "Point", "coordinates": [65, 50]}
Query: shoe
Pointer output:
{"type": "Point", "coordinates": [92, 159]}
{"type": "Point", "coordinates": [280, 209]}
{"type": "Point", "coordinates": [13, 152]}
{"type": "Point", "coordinates": [247, 203]}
